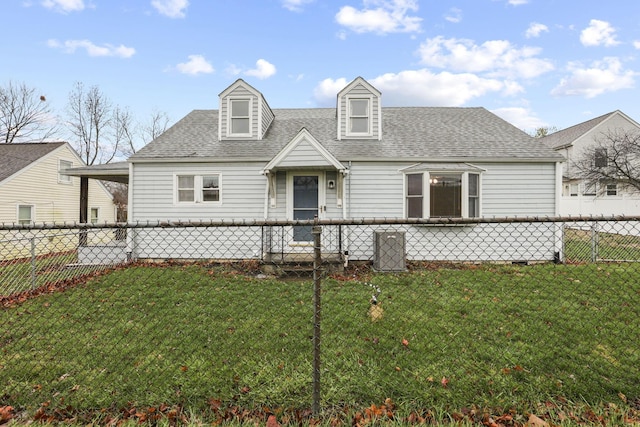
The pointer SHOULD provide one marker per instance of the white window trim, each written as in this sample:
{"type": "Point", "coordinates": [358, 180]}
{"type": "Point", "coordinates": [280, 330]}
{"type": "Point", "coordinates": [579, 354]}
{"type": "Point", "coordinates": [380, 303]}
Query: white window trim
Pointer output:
{"type": "Point", "coordinates": [33, 212]}
{"type": "Point", "coordinates": [197, 189]}
{"type": "Point", "coordinates": [426, 196]}
{"type": "Point", "coordinates": [64, 179]}
{"type": "Point", "coordinates": [97, 209]}
{"type": "Point", "coordinates": [348, 100]}
{"type": "Point", "coordinates": [230, 117]}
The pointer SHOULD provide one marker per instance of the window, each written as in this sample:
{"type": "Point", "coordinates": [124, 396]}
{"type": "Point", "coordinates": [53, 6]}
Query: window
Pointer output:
{"type": "Point", "coordinates": [239, 117]}
{"type": "Point", "coordinates": [198, 188]}
{"type": "Point", "coordinates": [359, 116]}
{"type": "Point", "coordinates": [474, 195]}
{"type": "Point", "coordinates": [600, 158]}
{"type": "Point", "coordinates": [210, 188]}
{"type": "Point", "coordinates": [589, 189]}
{"type": "Point", "coordinates": [95, 212]}
{"type": "Point", "coordinates": [62, 166]}
{"type": "Point", "coordinates": [415, 195]}
{"type": "Point", "coordinates": [573, 190]}
{"type": "Point", "coordinates": [450, 195]}
{"type": "Point", "coordinates": [612, 189]}
{"type": "Point", "coordinates": [25, 214]}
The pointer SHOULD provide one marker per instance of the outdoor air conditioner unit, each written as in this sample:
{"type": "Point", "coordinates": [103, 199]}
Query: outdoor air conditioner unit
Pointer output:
{"type": "Point", "coordinates": [389, 251]}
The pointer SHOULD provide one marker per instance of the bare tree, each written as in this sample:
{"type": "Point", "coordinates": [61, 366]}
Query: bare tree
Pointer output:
{"type": "Point", "coordinates": [543, 131]}
{"type": "Point", "coordinates": [157, 124]}
{"type": "Point", "coordinates": [135, 134]}
{"type": "Point", "coordinates": [124, 131]}
{"type": "Point", "coordinates": [613, 158]}
{"type": "Point", "coordinates": [24, 115]}
{"type": "Point", "coordinates": [90, 116]}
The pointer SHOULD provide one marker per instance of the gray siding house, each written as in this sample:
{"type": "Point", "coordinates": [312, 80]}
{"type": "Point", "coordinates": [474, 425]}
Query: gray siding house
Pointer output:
{"type": "Point", "coordinates": [359, 160]}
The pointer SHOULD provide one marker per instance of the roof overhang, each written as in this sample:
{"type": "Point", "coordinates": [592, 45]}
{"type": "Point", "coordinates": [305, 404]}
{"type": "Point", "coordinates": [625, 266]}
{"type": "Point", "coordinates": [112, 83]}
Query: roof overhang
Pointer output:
{"type": "Point", "coordinates": [115, 172]}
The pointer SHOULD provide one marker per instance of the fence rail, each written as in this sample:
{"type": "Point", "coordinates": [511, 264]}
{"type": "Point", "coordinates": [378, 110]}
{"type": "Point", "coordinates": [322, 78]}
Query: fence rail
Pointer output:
{"type": "Point", "coordinates": [500, 312]}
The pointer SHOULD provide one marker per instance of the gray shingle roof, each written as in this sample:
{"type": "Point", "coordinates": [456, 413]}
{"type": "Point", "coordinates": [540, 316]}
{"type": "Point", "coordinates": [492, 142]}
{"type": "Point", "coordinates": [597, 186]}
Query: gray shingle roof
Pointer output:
{"type": "Point", "coordinates": [566, 136]}
{"type": "Point", "coordinates": [17, 156]}
{"type": "Point", "coordinates": [417, 133]}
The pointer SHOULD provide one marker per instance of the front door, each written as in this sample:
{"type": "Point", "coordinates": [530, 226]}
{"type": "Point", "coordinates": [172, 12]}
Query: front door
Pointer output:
{"type": "Point", "coordinates": [305, 204]}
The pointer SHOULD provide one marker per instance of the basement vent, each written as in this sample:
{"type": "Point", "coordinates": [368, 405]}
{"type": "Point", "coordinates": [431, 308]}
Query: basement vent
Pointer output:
{"type": "Point", "coordinates": [389, 251]}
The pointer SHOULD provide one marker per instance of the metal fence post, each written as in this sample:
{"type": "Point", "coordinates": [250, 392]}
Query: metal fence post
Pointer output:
{"type": "Point", "coordinates": [594, 242]}
{"type": "Point", "coordinates": [33, 263]}
{"type": "Point", "coordinates": [317, 261]}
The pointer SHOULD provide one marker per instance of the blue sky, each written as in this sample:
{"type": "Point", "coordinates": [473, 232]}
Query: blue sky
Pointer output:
{"type": "Point", "coordinates": [533, 62]}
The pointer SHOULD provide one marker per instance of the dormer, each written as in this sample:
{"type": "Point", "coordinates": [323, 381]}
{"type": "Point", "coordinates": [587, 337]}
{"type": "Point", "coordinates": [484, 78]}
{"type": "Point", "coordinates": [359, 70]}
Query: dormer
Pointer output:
{"type": "Point", "coordinates": [243, 113]}
{"type": "Point", "coordinates": [359, 111]}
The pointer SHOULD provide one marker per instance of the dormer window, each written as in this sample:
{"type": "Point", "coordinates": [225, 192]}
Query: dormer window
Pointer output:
{"type": "Point", "coordinates": [239, 117]}
{"type": "Point", "coordinates": [359, 116]}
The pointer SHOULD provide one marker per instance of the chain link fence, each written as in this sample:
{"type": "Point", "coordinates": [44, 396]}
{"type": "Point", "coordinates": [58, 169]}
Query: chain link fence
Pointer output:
{"type": "Point", "coordinates": [317, 315]}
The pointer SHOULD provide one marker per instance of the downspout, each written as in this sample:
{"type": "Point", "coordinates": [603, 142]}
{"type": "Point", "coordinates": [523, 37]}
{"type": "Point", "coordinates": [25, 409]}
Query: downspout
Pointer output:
{"type": "Point", "coordinates": [346, 212]}
{"type": "Point", "coordinates": [266, 196]}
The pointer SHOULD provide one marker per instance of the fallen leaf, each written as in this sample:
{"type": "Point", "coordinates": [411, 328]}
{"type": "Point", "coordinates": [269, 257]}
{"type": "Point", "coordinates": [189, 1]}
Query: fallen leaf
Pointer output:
{"type": "Point", "coordinates": [272, 422]}
{"type": "Point", "coordinates": [405, 342]}
{"type": "Point", "coordinates": [534, 421]}
{"type": "Point", "coordinates": [444, 381]}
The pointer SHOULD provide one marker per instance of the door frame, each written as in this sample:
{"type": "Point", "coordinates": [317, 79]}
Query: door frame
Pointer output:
{"type": "Point", "coordinates": [321, 197]}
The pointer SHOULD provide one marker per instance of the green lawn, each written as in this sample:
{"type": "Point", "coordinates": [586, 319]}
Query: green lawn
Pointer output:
{"type": "Point", "coordinates": [506, 337]}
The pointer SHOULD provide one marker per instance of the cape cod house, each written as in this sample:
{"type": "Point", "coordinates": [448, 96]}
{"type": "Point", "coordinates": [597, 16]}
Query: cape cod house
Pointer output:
{"type": "Point", "coordinates": [581, 197]}
{"type": "Point", "coordinates": [247, 161]}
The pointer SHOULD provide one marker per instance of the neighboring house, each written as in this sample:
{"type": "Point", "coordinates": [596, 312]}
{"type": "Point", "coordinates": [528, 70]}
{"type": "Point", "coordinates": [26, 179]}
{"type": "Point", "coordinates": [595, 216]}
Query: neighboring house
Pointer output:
{"type": "Point", "coordinates": [33, 188]}
{"type": "Point", "coordinates": [247, 161]}
{"type": "Point", "coordinates": [579, 197]}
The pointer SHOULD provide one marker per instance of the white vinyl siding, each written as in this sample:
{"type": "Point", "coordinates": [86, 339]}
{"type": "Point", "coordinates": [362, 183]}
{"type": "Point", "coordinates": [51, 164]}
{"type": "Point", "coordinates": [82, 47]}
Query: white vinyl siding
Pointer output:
{"type": "Point", "coordinates": [518, 189]}
{"type": "Point", "coordinates": [38, 185]}
{"type": "Point", "coordinates": [242, 187]}
{"type": "Point", "coordinates": [258, 116]}
{"type": "Point", "coordinates": [507, 189]}
{"type": "Point", "coordinates": [304, 154]}
{"type": "Point", "coordinates": [359, 91]}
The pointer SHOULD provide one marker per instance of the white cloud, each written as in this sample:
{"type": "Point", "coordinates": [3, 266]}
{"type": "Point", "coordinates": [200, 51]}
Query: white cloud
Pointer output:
{"type": "Point", "coordinates": [494, 57]}
{"type": "Point", "coordinates": [418, 87]}
{"type": "Point", "coordinates": [381, 16]}
{"type": "Point", "coordinates": [520, 117]}
{"type": "Point", "coordinates": [636, 44]}
{"type": "Point", "coordinates": [196, 64]}
{"type": "Point", "coordinates": [70, 46]}
{"type": "Point", "coordinates": [534, 30]}
{"type": "Point", "coordinates": [295, 5]}
{"type": "Point", "coordinates": [454, 15]}
{"type": "Point", "coordinates": [517, 2]}
{"type": "Point", "coordinates": [598, 33]}
{"type": "Point", "coordinates": [603, 76]}
{"type": "Point", "coordinates": [325, 92]}
{"type": "Point", "coordinates": [64, 6]}
{"type": "Point", "coordinates": [171, 8]}
{"type": "Point", "coordinates": [264, 69]}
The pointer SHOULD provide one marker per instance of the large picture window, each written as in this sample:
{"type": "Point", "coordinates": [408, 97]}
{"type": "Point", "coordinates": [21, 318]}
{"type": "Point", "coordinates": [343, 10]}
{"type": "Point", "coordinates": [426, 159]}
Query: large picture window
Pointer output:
{"type": "Point", "coordinates": [442, 195]}
{"type": "Point", "coordinates": [198, 188]}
